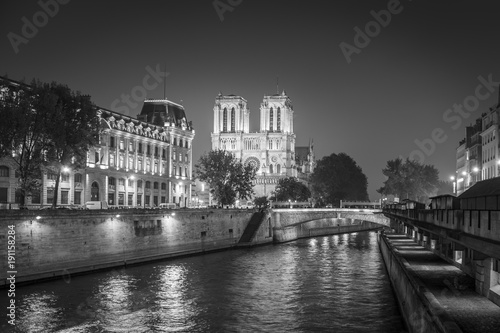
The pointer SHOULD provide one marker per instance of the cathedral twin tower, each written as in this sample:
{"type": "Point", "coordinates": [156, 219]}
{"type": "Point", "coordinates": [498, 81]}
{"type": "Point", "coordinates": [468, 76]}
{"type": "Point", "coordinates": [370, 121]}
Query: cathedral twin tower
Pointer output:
{"type": "Point", "coordinates": [272, 149]}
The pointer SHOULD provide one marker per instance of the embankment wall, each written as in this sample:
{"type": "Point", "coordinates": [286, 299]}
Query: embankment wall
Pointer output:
{"type": "Point", "coordinates": [420, 309]}
{"type": "Point", "coordinates": [60, 243]}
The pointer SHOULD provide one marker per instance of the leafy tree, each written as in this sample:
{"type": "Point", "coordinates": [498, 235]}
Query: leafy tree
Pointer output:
{"type": "Point", "coordinates": [261, 202]}
{"type": "Point", "coordinates": [226, 176]}
{"type": "Point", "coordinates": [73, 128]}
{"type": "Point", "coordinates": [409, 179]}
{"type": "Point", "coordinates": [338, 177]}
{"type": "Point", "coordinates": [23, 135]}
{"type": "Point", "coordinates": [291, 189]}
{"type": "Point", "coordinates": [49, 126]}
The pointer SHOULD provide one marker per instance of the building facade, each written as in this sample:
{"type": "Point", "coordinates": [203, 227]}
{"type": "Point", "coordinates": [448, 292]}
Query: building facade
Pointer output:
{"type": "Point", "coordinates": [139, 162]}
{"type": "Point", "coordinates": [478, 153]}
{"type": "Point", "coordinates": [272, 149]}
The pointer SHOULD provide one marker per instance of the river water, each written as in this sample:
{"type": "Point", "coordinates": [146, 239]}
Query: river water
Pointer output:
{"type": "Point", "coordinates": [323, 284]}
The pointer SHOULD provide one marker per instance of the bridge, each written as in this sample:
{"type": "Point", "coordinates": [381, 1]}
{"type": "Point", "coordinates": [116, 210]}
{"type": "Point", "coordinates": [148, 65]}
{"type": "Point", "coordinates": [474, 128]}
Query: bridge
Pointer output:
{"type": "Point", "coordinates": [291, 224]}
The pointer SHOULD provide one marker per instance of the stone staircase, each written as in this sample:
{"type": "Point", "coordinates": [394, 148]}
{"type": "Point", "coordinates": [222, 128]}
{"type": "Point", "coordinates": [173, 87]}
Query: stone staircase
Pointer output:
{"type": "Point", "coordinates": [252, 227]}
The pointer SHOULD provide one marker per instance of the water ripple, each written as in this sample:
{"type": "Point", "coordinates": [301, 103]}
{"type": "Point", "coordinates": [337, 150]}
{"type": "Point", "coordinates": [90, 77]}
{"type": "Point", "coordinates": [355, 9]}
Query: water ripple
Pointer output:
{"type": "Point", "coordinates": [324, 284]}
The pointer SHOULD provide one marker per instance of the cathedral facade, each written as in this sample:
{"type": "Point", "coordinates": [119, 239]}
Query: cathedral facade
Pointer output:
{"type": "Point", "coordinates": [272, 149]}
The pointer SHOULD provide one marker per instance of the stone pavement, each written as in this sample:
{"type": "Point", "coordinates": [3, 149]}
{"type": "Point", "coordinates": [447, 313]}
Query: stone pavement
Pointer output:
{"type": "Point", "coordinates": [453, 289]}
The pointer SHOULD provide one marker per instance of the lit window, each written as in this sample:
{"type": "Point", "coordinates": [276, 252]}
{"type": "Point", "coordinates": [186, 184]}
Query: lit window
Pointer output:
{"type": "Point", "coordinates": [232, 119]}
{"type": "Point", "coordinates": [271, 119]}
{"type": "Point", "coordinates": [224, 120]}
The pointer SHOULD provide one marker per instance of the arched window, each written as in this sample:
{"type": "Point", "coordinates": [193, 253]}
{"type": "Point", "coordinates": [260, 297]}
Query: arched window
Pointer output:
{"type": "Point", "coordinates": [155, 185]}
{"type": "Point", "coordinates": [271, 120]}
{"type": "Point", "coordinates": [163, 186]}
{"type": "Point", "coordinates": [4, 171]}
{"type": "Point", "coordinates": [278, 120]}
{"type": "Point", "coordinates": [278, 169]}
{"type": "Point", "coordinates": [148, 184]}
{"type": "Point", "coordinates": [139, 183]}
{"type": "Point", "coordinates": [271, 168]}
{"type": "Point", "coordinates": [232, 120]}
{"type": "Point", "coordinates": [224, 120]}
{"type": "Point", "coordinates": [112, 181]}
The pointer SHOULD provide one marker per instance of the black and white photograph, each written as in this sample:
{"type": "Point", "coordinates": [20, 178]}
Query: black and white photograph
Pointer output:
{"type": "Point", "coordinates": [249, 166]}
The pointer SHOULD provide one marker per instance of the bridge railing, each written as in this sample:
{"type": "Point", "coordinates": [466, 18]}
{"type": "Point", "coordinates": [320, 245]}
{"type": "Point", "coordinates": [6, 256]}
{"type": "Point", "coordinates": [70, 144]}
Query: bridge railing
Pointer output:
{"type": "Point", "coordinates": [478, 223]}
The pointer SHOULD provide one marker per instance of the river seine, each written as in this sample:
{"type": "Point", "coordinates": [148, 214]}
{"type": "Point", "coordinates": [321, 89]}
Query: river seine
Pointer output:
{"type": "Point", "coordinates": [323, 284]}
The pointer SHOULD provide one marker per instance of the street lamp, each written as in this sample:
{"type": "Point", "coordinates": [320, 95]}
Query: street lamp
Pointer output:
{"type": "Point", "coordinates": [476, 172]}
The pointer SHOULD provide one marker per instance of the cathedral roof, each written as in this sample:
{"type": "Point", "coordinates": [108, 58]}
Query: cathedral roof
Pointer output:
{"type": "Point", "coordinates": [301, 153]}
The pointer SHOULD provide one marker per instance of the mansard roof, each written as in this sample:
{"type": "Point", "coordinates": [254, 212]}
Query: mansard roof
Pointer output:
{"type": "Point", "coordinates": [160, 111]}
{"type": "Point", "coordinates": [9, 82]}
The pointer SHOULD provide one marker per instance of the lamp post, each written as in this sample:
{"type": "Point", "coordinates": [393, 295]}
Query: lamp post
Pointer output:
{"type": "Point", "coordinates": [476, 171]}
{"type": "Point", "coordinates": [454, 184]}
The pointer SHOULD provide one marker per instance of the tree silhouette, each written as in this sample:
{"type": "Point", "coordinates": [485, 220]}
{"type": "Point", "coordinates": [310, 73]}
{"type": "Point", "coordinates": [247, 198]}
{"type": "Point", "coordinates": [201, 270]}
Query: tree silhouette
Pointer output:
{"type": "Point", "coordinates": [410, 179]}
{"type": "Point", "coordinates": [226, 176]}
{"type": "Point", "coordinates": [338, 177]}
{"type": "Point", "coordinates": [291, 189]}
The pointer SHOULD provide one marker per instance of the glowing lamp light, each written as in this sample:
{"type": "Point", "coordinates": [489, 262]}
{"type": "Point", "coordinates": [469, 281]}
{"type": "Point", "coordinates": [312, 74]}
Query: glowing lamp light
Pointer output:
{"type": "Point", "coordinates": [452, 178]}
{"type": "Point", "coordinates": [476, 169]}
{"type": "Point", "coordinates": [132, 177]}
{"type": "Point", "coordinates": [173, 214]}
{"type": "Point", "coordinates": [464, 173]}
{"type": "Point", "coordinates": [38, 217]}
{"type": "Point", "coordinates": [117, 215]}
{"type": "Point", "coordinates": [65, 169]}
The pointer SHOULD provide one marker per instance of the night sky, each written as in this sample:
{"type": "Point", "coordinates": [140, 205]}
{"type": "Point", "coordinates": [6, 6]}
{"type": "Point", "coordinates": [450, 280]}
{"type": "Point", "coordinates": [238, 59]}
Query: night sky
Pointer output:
{"type": "Point", "coordinates": [396, 88]}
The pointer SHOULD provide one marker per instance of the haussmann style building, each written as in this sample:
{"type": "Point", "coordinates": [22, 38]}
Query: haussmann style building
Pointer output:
{"type": "Point", "coordinates": [139, 162]}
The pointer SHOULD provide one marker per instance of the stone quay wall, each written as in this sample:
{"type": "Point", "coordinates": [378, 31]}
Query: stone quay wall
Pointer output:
{"type": "Point", "coordinates": [59, 243]}
{"type": "Point", "coordinates": [420, 309]}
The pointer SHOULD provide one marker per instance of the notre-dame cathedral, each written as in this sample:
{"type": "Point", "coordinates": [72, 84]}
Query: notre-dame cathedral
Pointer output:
{"type": "Point", "coordinates": [272, 149]}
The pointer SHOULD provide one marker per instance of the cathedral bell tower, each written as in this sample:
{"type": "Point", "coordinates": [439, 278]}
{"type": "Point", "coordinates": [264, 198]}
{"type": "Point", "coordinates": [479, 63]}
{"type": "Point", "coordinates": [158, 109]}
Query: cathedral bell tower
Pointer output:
{"type": "Point", "coordinates": [231, 114]}
{"type": "Point", "coordinates": [276, 114]}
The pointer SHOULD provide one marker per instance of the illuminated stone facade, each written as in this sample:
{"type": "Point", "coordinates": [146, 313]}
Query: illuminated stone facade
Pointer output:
{"type": "Point", "coordinates": [272, 149]}
{"type": "Point", "coordinates": [141, 161]}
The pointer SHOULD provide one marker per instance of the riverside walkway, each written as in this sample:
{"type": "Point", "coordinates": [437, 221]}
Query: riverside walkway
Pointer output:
{"type": "Point", "coordinates": [452, 288]}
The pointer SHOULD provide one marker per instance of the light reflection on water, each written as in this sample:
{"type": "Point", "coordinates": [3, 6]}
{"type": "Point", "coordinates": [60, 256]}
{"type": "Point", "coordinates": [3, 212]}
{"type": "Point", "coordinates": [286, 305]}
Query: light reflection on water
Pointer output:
{"type": "Point", "coordinates": [334, 284]}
